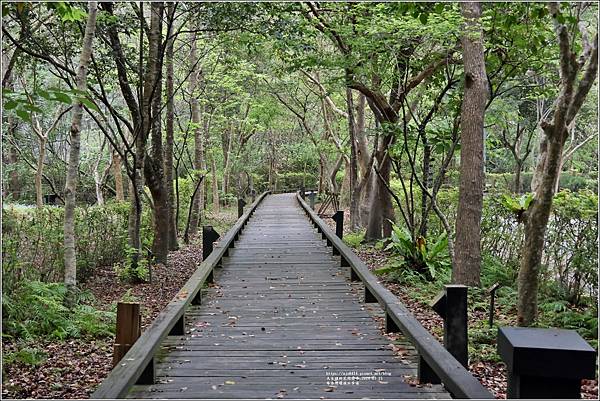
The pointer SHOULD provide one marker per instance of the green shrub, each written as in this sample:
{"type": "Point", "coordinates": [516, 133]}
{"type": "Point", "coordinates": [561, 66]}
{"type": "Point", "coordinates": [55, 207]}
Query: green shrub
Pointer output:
{"type": "Point", "coordinates": [26, 355]}
{"type": "Point", "coordinates": [32, 247]}
{"type": "Point", "coordinates": [353, 240]}
{"type": "Point", "coordinates": [425, 258]}
{"type": "Point", "coordinates": [129, 271]}
{"type": "Point", "coordinates": [35, 309]}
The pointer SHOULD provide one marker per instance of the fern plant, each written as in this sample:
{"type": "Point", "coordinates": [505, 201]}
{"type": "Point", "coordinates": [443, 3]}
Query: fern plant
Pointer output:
{"type": "Point", "coordinates": [417, 254]}
{"type": "Point", "coordinates": [517, 205]}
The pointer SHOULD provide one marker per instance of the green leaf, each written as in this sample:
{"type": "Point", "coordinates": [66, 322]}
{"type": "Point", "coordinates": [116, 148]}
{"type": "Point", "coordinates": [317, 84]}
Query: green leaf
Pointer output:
{"type": "Point", "coordinates": [44, 93]}
{"type": "Point", "coordinates": [88, 103]}
{"type": "Point", "coordinates": [423, 18]}
{"type": "Point", "coordinates": [62, 97]}
{"type": "Point", "coordinates": [33, 108]}
{"type": "Point", "coordinates": [9, 105]}
{"type": "Point", "coordinates": [24, 115]}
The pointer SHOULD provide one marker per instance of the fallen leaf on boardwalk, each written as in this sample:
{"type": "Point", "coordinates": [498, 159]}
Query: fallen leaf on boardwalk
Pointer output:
{"type": "Point", "coordinates": [300, 366]}
{"type": "Point", "coordinates": [214, 387]}
{"type": "Point", "coordinates": [229, 382]}
{"type": "Point", "coordinates": [329, 389]}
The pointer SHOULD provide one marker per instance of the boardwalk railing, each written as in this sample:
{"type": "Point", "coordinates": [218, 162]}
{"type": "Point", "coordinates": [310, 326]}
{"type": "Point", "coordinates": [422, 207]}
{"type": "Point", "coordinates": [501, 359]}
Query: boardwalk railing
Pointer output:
{"type": "Point", "coordinates": [137, 366]}
{"type": "Point", "coordinates": [435, 362]}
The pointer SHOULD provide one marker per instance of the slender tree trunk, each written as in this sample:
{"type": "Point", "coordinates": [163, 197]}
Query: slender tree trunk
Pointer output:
{"type": "Point", "coordinates": [39, 172]}
{"type": "Point", "coordinates": [517, 182]}
{"type": "Point", "coordinates": [427, 183]}
{"type": "Point", "coordinates": [97, 178]}
{"type": "Point", "coordinates": [573, 92]}
{"type": "Point", "coordinates": [353, 126]}
{"type": "Point", "coordinates": [215, 185]}
{"type": "Point", "coordinates": [195, 115]}
{"type": "Point", "coordinates": [535, 230]}
{"type": "Point", "coordinates": [467, 255]}
{"type": "Point", "coordinates": [381, 207]}
{"type": "Point", "coordinates": [70, 257]}
{"type": "Point", "coordinates": [226, 153]}
{"type": "Point", "coordinates": [170, 137]}
{"type": "Point", "coordinates": [116, 167]}
{"type": "Point", "coordinates": [154, 167]}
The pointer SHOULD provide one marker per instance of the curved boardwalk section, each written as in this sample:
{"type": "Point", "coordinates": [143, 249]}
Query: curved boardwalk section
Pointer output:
{"type": "Point", "coordinates": [282, 322]}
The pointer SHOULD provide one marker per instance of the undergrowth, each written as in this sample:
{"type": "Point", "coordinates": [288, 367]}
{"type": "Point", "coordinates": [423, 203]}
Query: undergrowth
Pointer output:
{"type": "Point", "coordinates": [35, 310]}
{"type": "Point", "coordinates": [555, 310]}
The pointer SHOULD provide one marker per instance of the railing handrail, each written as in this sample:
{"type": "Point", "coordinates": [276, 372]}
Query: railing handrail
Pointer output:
{"type": "Point", "coordinates": [458, 380]}
{"type": "Point", "coordinates": [130, 368]}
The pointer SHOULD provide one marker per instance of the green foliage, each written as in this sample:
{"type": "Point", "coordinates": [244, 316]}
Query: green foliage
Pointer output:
{"type": "Point", "coordinates": [417, 254]}
{"type": "Point", "coordinates": [519, 205]}
{"type": "Point", "coordinates": [35, 309]}
{"type": "Point", "coordinates": [68, 12]}
{"type": "Point", "coordinates": [353, 240]}
{"type": "Point", "coordinates": [32, 240]}
{"type": "Point", "coordinates": [23, 104]}
{"type": "Point", "coordinates": [134, 268]}
{"type": "Point", "coordinates": [25, 355]}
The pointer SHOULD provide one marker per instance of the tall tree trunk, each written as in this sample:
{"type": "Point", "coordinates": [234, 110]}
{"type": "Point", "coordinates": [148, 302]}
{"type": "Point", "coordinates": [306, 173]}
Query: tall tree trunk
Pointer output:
{"type": "Point", "coordinates": [382, 210]}
{"type": "Point", "coordinates": [39, 172]}
{"type": "Point", "coordinates": [154, 166]}
{"type": "Point", "coordinates": [353, 126]}
{"type": "Point", "coordinates": [227, 135]}
{"type": "Point", "coordinates": [467, 256]}
{"type": "Point", "coordinates": [215, 185]}
{"type": "Point", "coordinates": [570, 99]}
{"type": "Point", "coordinates": [116, 167]}
{"type": "Point", "coordinates": [70, 257]}
{"type": "Point", "coordinates": [427, 178]}
{"type": "Point", "coordinates": [517, 182]}
{"type": "Point", "coordinates": [170, 137]}
{"type": "Point", "coordinates": [195, 217]}
{"type": "Point", "coordinates": [98, 182]}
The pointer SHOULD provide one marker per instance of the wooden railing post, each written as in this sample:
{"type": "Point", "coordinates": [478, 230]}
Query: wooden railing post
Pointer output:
{"type": "Point", "coordinates": [338, 217]}
{"type": "Point", "coordinates": [129, 329]}
{"type": "Point", "coordinates": [451, 305]}
{"type": "Point", "coordinates": [209, 236]}
{"type": "Point", "coordinates": [241, 204]}
{"type": "Point", "coordinates": [311, 198]}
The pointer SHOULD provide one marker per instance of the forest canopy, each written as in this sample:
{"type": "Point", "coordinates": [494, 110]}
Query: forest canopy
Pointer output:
{"type": "Point", "coordinates": [460, 138]}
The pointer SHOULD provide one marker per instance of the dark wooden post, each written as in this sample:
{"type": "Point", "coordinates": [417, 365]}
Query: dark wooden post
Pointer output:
{"type": "Point", "coordinates": [545, 363]}
{"type": "Point", "coordinates": [311, 198]}
{"type": "Point", "coordinates": [209, 236]}
{"type": "Point", "coordinates": [129, 329]}
{"type": "Point", "coordinates": [451, 305]}
{"type": "Point", "coordinates": [241, 204]}
{"type": "Point", "coordinates": [303, 192]}
{"type": "Point", "coordinates": [338, 217]}
{"type": "Point", "coordinates": [492, 292]}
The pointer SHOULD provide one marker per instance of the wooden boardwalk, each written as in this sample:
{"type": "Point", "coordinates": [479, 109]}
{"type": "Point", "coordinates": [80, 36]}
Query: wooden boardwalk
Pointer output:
{"type": "Point", "coordinates": [282, 322]}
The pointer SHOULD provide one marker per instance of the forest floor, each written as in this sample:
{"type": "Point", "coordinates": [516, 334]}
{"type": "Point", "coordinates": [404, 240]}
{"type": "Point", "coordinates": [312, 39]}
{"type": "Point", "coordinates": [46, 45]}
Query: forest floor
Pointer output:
{"type": "Point", "coordinates": [73, 368]}
{"type": "Point", "coordinates": [492, 374]}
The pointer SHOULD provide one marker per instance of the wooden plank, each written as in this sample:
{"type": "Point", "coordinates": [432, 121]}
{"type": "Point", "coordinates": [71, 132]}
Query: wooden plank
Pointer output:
{"type": "Point", "coordinates": [297, 317]}
{"type": "Point", "coordinates": [457, 379]}
{"type": "Point", "coordinates": [132, 366]}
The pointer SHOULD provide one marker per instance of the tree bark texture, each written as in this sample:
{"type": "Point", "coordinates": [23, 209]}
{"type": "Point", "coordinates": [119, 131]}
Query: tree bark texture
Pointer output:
{"type": "Point", "coordinates": [573, 92]}
{"type": "Point", "coordinates": [70, 257]}
{"type": "Point", "coordinates": [170, 137]}
{"type": "Point", "coordinates": [467, 255]}
{"type": "Point", "coordinates": [193, 82]}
